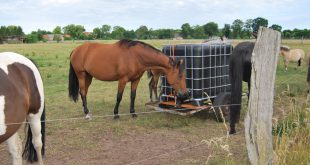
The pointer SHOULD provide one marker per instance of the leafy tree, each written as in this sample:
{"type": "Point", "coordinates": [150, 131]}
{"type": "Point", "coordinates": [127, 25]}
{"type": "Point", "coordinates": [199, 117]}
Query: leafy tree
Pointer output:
{"type": "Point", "coordinates": [57, 37]}
{"type": "Point", "coordinates": [105, 31]}
{"type": "Point", "coordinates": [297, 33]}
{"type": "Point", "coordinates": [143, 32]}
{"type": "Point", "coordinates": [19, 31]}
{"type": "Point", "coordinates": [2, 33]}
{"type": "Point", "coordinates": [76, 31]}
{"type": "Point", "coordinates": [153, 34]}
{"type": "Point", "coordinates": [97, 33]}
{"type": "Point", "coordinates": [226, 31]}
{"type": "Point", "coordinates": [211, 29]}
{"type": "Point", "coordinates": [130, 34]}
{"type": "Point", "coordinates": [237, 28]}
{"type": "Point", "coordinates": [12, 30]}
{"type": "Point", "coordinates": [32, 38]}
{"type": "Point", "coordinates": [287, 34]}
{"type": "Point", "coordinates": [198, 32]}
{"type": "Point", "coordinates": [186, 30]}
{"type": "Point", "coordinates": [247, 28]}
{"type": "Point", "coordinates": [276, 27]}
{"type": "Point", "coordinates": [57, 30]}
{"type": "Point", "coordinates": [164, 33]}
{"type": "Point", "coordinates": [118, 32]}
{"type": "Point", "coordinates": [257, 22]}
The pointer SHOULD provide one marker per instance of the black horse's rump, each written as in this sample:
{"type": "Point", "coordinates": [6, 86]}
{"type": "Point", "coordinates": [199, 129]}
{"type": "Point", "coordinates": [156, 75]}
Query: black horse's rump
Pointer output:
{"type": "Point", "coordinates": [239, 69]}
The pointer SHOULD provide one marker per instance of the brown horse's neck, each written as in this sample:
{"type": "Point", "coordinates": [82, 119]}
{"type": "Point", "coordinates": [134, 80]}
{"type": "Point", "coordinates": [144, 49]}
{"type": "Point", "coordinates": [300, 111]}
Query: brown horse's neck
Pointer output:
{"type": "Point", "coordinates": [151, 59]}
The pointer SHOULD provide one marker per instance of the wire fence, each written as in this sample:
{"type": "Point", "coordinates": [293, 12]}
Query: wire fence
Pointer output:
{"type": "Point", "coordinates": [123, 114]}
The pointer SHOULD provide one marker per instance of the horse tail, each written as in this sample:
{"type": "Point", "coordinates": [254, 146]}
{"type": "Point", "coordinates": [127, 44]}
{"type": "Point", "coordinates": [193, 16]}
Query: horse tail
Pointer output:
{"type": "Point", "coordinates": [29, 152]}
{"type": "Point", "coordinates": [73, 84]}
{"type": "Point", "coordinates": [236, 77]}
{"type": "Point", "coordinates": [302, 56]}
{"type": "Point", "coordinates": [149, 74]}
{"type": "Point", "coordinates": [43, 130]}
{"type": "Point", "coordinates": [299, 61]}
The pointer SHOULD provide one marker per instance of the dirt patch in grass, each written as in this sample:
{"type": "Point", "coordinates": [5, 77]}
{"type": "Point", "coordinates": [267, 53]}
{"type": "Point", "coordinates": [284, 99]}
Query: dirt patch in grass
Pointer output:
{"type": "Point", "coordinates": [125, 142]}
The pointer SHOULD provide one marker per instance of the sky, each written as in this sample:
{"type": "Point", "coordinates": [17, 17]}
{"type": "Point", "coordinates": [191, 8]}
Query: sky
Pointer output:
{"type": "Point", "coordinates": [131, 14]}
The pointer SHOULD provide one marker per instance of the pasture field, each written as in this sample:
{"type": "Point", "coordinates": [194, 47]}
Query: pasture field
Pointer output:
{"type": "Point", "coordinates": [156, 138]}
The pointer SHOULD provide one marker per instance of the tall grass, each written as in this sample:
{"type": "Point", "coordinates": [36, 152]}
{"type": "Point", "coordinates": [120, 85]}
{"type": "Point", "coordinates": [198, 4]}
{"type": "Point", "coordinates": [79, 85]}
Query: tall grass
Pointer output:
{"type": "Point", "coordinates": [292, 134]}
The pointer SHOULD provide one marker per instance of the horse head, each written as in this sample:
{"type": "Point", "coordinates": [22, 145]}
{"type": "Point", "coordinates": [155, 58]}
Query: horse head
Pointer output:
{"type": "Point", "coordinates": [176, 79]}
{"type": "Point", "coordinates": [284, 50]}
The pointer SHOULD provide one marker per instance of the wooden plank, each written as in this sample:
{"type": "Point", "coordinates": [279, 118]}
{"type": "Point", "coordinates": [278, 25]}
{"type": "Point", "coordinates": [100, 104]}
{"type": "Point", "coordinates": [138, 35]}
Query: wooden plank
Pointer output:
{"type": "Point", "coordinates": [258, 120]}
{"type": "Point", "coordinates": [179, 111]}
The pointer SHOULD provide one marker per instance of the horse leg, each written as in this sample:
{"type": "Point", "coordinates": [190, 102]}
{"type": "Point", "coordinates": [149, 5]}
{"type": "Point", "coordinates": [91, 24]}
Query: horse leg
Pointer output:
{"type": "Point", "coordinates": [134, 85]}
{"type": "Point", "coordinates": [15, 149]}
{"type": "Point", "coordinates": [120, 90]}
{"type": "Point", "coordinates": [151, 89]}
{"type": "Point", "coordinates": [286, 64]}
{"type": "Point", "coordinates": [35, 125]}
{"type": "Point", "coordinates": [249, 90]}
{"type": "Point", "coordinates": [84, 81]}
{"type": "Point", "coordinates": [156, 78]}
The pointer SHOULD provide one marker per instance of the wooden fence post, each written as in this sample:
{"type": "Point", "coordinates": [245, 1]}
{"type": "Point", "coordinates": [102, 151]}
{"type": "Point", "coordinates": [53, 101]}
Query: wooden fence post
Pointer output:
{"type": "Point", "coordinates": [258, 120]}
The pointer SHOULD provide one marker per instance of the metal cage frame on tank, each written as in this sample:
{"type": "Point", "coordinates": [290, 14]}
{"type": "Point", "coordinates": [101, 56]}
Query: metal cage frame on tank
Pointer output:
{"type": "Point", "coordinates": [206, 70]}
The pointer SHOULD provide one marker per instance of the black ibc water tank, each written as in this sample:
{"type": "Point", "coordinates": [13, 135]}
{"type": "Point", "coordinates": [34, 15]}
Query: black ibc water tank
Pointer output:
{"type": "Point", "coordinates": [206, 69]}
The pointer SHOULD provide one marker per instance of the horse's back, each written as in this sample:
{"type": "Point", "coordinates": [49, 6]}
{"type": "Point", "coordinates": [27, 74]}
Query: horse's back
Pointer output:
{"type": "Point", "coordinates": [106, 62]}
{"type": "Point", "coordinates": [93, 54]}
{"type": "Point", "coordinates": [297, 54]}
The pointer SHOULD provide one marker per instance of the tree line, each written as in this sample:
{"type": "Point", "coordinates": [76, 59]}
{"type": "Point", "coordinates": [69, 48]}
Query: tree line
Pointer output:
{"type": "Point", "coordinates": [238, 29]}
{"type": "Point", "coordinates": [10, 31]}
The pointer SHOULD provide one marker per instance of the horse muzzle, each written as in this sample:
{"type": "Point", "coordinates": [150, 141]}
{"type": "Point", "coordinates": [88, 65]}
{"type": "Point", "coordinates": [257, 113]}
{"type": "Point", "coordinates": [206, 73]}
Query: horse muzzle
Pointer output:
{"type": "Point", "coordinates": [182, 96]}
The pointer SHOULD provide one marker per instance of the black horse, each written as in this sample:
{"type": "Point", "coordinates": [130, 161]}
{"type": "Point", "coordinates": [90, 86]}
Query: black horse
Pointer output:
{"type": "Point", "coordinates": [239, 69]}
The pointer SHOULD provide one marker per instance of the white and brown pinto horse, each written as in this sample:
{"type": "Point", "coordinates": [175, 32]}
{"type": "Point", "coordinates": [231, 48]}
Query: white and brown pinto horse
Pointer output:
{"type": "Point", "coordinates": [21, 97]}
{"type": "Point", "coordinates": [294, 55]}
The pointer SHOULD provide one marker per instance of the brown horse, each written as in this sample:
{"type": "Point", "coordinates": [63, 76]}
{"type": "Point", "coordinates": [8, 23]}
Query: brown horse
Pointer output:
{"type": "Point", "coordinates": [124, 61]}
{"type": "Point", "coordinates": [154, 74]}
{"type": "Point", "coordinates": [295, 55]}
{"type": "Point", "coordinates": [21, 97]}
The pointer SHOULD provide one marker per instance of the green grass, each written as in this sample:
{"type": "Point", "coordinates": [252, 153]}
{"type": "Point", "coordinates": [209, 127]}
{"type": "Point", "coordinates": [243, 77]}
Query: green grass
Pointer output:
{"type": "Point", "coordinates": [53, 62]}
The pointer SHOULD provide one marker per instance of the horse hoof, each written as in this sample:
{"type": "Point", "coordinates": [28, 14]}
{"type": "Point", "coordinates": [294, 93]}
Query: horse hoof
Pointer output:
{"type": "Point", "coordinates": [232, 132]}
{"type": "Point", "coordinates": [134, 115]}
{"type": "Point", "coordinates": [116, 117]}
{"type": "Point", "coordinates": [88, 117]}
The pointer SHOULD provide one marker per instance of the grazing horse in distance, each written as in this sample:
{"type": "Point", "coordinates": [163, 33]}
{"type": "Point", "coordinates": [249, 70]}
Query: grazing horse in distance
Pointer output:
{"type": "Point", "coordinates": [240, 67]}
{"type": "Point", "coordinates": [21, 97]}
{"type": "Point", "coordinates": [295, 55]}
{"type": "Point", "coordinates": [124, 61]}
{"type": "Point", "coordinates": [154, 74]}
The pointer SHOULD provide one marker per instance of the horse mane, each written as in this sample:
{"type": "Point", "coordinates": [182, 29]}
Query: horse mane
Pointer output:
{"type": "Point", "coordinates": [130, 43]}
{"type": "Point", "coordinates": [284, 48]}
